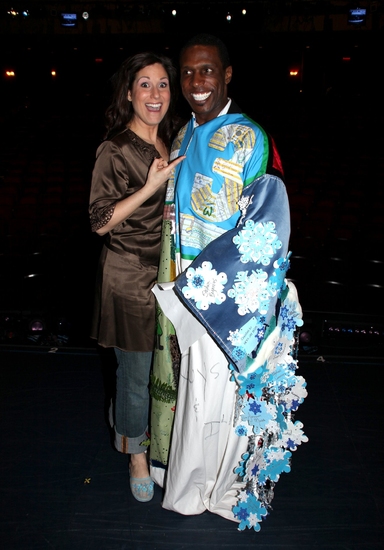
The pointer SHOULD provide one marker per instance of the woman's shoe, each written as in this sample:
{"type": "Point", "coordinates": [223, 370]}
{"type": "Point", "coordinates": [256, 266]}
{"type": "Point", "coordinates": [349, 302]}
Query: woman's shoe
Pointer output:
{"type": "Point", "coordinates": [143, 488]}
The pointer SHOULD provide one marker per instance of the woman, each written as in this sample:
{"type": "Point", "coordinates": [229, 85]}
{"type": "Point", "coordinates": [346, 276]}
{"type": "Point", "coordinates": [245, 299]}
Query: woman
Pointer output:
{"type": "Point", "coordinates": [126, 206]}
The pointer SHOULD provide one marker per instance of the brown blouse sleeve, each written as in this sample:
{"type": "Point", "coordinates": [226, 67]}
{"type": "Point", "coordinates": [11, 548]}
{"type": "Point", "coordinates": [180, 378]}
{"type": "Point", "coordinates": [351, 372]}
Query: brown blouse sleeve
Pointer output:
{"type": "Point", "coordinates": [109, 185]}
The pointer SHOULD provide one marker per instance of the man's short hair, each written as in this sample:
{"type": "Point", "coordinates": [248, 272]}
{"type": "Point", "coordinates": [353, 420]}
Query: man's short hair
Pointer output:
{"type": "Point", "coordinates": [205, 39]}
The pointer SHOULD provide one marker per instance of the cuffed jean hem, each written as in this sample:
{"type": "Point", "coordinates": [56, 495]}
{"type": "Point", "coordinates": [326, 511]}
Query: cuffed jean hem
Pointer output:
{"type": "Point", "coordinates": [131, 445]}
{"type": "Point", "coordinates": [125, 444]}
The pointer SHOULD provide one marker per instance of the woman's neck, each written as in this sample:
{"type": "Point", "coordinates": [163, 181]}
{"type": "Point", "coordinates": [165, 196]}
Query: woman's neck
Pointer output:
{"type": "Point", "coordinates": [145, 132]}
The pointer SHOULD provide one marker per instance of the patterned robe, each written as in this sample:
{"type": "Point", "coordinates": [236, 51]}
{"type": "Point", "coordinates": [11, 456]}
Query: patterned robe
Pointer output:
{"type": "Point", "coordinates": [225, 244]}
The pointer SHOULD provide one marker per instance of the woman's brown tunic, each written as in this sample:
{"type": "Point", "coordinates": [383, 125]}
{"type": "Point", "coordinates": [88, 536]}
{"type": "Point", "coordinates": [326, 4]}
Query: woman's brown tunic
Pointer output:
{"type": "Point", "coordinates": [124, 312]}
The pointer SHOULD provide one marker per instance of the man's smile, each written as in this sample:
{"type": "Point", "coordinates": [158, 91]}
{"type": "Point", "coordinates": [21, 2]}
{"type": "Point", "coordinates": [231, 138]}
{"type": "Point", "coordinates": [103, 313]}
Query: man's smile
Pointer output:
{"type": "Point", "coordinates": [201, 97]}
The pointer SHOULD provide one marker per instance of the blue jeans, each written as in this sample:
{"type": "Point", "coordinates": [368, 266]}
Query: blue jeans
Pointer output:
{"type": "Point", "coordinates": [131, 410]}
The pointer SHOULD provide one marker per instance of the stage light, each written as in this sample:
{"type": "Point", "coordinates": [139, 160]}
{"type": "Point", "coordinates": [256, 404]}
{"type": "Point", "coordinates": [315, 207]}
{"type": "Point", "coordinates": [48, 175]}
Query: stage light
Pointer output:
{"type": "Point", "coordinates": [306, 337]}
{"type": "Point", "coordinates": [307, 341]}
{"type": "Point", "coordinates": [85, 15]}
{"type": "Point", "coordinates": [229, 16]}
{"type": "Point", "coordinates": [36, 330]}
{"type": "Point", "coordinates": [244, 12]}
{"type": "Point", "coordinates": [10, 74]}
{"type": "Point", "coordinates": [174, 12]}
{"type": "Point", "coordinates": [36, 325]}
{"type": "Point", "coordinates": [53, 73]}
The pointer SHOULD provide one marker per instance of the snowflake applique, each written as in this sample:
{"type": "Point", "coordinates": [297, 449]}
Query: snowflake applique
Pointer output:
{"type": "Point", "coordinates": [290, 318]}
{"type": "Point", "coordinates": [249, 512]}
{"type": "Point", "coordinates": [205, 286]}
{"type": "Point", "coordinates": [295, 394]}
{"type": "Point", "coordinates": [277, 278]}
{"type": "Point", "coordinates": [293, 435]}
{"type": "Point", "coordinates": [257, 242]}
{"type": "Point", "coordinates": [257, 414]}
{"type": "Point", "coordinates": [235, 337]}
{"type": "Point", "coordinates": [241, 430]}
{"type": "Point", "coordinates": [249, 291]}
{"type": "Point", "coordinates": [282, 349]}
{"type": "Point", "coordinates": [250, 383]}
{"type": "Point", "coordinates": [268, 392]}
{"type": "Point", "coordinates": [241, 468]}
{"type": "Point", "coordinates": [280, 377]}
{"type": "Point", "coordinates": [252, 464]}
{"type": "Point", "coordinates": [245, 340]}
{"type": "Point", "coordinates": [274, 427]}
{"type": "Point", "coordinates": [277, 462]}
{"type": "Point", "coordinates": [238, 353]}
{"type": "Point", "coordinates": [243, 496]}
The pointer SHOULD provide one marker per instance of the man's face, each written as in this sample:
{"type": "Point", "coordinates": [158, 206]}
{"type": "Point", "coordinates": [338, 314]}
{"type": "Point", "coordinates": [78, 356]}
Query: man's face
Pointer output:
{"type": "Point", "coordinates": [204, 81]}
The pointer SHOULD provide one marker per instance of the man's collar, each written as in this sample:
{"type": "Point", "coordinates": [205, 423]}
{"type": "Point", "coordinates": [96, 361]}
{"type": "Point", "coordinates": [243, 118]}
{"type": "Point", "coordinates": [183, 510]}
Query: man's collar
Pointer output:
{"type": "Point", "coordinates": [222, 112]}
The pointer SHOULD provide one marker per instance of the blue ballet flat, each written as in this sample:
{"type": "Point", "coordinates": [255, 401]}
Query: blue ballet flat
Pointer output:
{"type": "Point", "coordinates": [143, 488]}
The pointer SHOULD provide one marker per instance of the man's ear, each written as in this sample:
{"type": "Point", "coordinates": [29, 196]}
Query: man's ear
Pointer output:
{"type": "Point", "coordinates": [228, 74]}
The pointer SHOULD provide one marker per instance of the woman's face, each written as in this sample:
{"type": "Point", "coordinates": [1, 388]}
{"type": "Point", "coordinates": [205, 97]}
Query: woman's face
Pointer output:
{"type": "Point", "coordinates": [150, 95]}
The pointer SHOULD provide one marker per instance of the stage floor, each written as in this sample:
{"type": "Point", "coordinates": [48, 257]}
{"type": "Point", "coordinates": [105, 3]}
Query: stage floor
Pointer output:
{"type": "Point", "coordinates": [64, 487]}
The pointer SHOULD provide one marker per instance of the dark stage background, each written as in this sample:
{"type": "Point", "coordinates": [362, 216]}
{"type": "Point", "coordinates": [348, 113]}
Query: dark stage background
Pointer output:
{"type": "Point", "coordinates": [326, 123]}
{"type": "Point", "coordinates": [62, 484]}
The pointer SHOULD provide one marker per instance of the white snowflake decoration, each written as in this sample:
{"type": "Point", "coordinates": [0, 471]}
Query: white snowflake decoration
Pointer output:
{"type": "Point", "coordinates": [205, 286]}
{"type": "Point", "coordinates": [250, 292]}
{"type": "Point", "coordinates": [294, 435]}
{"type": "Point", "coordinates": [257, 242]}
{"type": "Point", "coordinates": [235, 337]}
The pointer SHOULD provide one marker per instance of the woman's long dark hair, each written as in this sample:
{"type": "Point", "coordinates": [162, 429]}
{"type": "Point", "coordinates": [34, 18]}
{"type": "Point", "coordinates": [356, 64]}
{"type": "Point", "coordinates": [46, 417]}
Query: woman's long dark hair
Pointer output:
{"type": "Point", "coordinates": [120, 111]}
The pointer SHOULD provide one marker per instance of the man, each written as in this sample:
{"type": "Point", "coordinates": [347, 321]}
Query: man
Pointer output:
{"type": "Point", "coordinates": [225, 245]}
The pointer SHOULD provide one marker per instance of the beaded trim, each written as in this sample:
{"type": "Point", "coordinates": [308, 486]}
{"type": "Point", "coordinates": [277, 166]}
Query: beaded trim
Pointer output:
{"type": "Point", "coordinates": [101, 217]}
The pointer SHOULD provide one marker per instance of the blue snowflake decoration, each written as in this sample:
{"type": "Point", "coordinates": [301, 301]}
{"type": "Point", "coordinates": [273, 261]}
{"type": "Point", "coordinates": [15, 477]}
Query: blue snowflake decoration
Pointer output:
{"type": "Point", "coordinates": [249, 511]}
{"type": "Point", "coordinates": [246, 338]}
{"type": "Point", "coordinates": [289, 319]}
{"type": "Point", "coordinates": [241, 430]}
{"type": "Point", "coordinates": [258, 414]}
{"type": "Point", "coordinates": [241, 469]}
{"type": "Point", "coordinates": [251, 383]}
{"type": "Point", "coordinates": [277, 462]}
{"type": "Point", "coordinates": [295, 394]}
{"type": "Point", "coordinates": [257, 242]}
{"type": "Point", "coordinates": [277, 278]}
{"type": "Point", "coordinates": [269, 390]}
